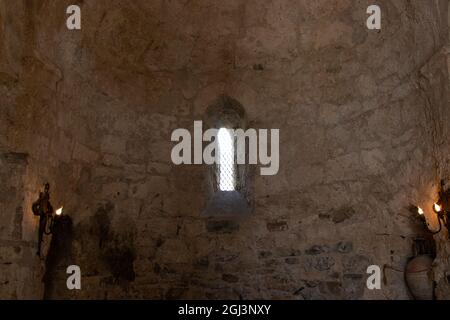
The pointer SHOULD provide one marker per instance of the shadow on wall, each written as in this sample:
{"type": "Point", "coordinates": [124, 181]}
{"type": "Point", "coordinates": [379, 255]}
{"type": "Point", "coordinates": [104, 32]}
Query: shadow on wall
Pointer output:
{"type": "Point", "coordinates": [58, 254]}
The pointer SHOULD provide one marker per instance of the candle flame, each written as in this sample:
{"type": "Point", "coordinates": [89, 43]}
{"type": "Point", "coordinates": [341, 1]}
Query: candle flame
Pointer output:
{"type": "Point", "coordinates": [420, 211]}
{"type": "Point", "coordinates": [437, 207]}
{"type": "Point", "coordinates": [59, 211]}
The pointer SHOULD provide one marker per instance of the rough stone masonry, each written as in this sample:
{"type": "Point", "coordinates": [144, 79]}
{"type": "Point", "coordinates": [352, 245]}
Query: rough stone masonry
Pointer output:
{"type": "Point", "coordinates": [364, 133]}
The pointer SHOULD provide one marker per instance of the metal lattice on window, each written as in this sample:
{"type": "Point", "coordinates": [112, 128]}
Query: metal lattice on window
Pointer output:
{"type": "Point", "coordinates": [226, 170]}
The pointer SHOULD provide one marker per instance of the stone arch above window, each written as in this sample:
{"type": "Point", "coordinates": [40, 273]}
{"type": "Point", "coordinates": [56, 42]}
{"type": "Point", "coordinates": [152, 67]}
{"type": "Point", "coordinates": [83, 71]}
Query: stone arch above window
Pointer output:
{"type": "Point", "coordinates": [231, 196]}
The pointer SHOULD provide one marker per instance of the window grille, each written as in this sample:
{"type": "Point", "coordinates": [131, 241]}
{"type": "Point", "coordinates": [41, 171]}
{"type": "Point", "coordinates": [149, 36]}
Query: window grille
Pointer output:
{"type": "Point", "coordinates": [226, 169]}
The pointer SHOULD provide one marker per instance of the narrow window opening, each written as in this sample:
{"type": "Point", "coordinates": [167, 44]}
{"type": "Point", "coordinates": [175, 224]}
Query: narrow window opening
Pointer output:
{"type": "Point", "coordinates": [226, 168]}
{"type": "Point", "coordinates": [229, 183]}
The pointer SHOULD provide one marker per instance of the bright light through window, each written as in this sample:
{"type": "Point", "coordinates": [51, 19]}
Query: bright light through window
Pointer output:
{"type": "Point", "coordinates": [226, 158]}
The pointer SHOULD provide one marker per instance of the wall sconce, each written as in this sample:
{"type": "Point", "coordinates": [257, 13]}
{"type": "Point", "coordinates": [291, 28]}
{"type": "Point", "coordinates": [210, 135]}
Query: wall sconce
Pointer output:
{"type": "Point", "coordinates": [441, 208]}
{"type": "Point", "coordinates": [44, 209]}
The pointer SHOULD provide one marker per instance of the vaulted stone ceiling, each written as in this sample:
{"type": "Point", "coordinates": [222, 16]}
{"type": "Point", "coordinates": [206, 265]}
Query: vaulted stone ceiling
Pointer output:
{"type": "Point", "coordinates": [363, 134]}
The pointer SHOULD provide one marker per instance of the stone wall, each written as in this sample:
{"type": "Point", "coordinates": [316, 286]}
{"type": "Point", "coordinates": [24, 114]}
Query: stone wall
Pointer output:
{"type": "Point", "coordinates": [33, 145]}
{"type": "Point", "coordinates": [19, 268]}
{"type": "Point", "coordinates": [442, 262]}
{"type": "Point", "coordinates": [362, 134]}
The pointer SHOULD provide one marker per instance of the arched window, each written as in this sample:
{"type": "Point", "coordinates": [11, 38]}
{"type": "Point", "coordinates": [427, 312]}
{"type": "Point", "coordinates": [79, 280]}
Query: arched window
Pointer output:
{"type": "Point", "coordinates": [226, 167]}
{"type": "Point", "coordinates": [229, 183]}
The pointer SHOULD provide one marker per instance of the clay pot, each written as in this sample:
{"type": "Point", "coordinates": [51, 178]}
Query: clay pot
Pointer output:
{"type": "Point", "coordinates": [419, 277]}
